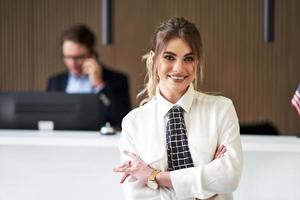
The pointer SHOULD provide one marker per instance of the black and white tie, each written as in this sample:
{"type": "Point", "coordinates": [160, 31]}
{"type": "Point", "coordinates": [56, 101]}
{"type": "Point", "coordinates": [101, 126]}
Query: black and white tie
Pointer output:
{"type": "Point", "coordinates": [178, 151]}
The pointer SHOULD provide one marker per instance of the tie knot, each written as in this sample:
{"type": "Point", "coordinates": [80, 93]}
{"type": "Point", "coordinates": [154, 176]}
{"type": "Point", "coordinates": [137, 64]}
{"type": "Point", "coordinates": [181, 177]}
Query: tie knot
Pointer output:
{"type": "Point", "coordinates": [175, 111]}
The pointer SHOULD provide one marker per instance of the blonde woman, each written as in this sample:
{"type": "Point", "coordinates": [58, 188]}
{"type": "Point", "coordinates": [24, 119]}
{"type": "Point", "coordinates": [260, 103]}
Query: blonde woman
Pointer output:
{"type": "Point", "coordinates": [181, 143]}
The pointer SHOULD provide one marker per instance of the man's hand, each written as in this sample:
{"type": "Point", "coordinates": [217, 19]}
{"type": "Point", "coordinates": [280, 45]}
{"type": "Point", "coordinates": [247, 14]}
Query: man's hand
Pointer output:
{"type": "Point", "coordinates": [94, 70]}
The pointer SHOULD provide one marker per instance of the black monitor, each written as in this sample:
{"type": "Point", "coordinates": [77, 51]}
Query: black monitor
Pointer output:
{"type": "Point", "coordinates": [24, 110]}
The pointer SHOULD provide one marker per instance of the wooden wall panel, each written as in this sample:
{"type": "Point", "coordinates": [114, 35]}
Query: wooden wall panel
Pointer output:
{"type": "Point", "coordinates": [260, 78]}
{"type": "Point", "coordinates": [15, 45]}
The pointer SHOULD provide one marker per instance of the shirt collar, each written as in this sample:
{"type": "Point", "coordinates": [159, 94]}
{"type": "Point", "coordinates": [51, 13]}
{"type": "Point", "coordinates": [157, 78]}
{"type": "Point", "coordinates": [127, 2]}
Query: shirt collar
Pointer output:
{"type": "Point", "coordinates": [82, 77]}
{"type": "Point", "coordinates": [184, 102]}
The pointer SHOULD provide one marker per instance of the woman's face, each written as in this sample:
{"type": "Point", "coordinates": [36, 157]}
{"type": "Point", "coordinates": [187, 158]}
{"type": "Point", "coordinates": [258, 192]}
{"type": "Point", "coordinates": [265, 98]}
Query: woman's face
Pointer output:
{"type": "Point", "coordinates": [176, 67]}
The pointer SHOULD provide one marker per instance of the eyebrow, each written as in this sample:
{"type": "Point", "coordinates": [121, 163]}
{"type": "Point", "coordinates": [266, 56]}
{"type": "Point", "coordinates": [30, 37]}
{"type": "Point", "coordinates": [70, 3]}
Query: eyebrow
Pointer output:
{"type": "Point", "coordinates": [188, 54]}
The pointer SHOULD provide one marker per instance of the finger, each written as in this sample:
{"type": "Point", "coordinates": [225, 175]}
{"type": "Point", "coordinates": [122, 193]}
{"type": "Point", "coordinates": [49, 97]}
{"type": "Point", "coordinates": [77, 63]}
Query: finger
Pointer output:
{"type": "Point", "coordinates": [119, 169]}
{"type": "Point", "coordinates": [131, 155]}
{"type": "Point", "coordinates": [125, 164]}
{"type": "Point", "coordinates": [219, 149]}
{"type": "Point", "coordinates": [88, 63]}
{"type": "Point", "coordinates": [123, 178]}
{"type": "Point", "coordinates": [91, 59]}
{"type": "Point", "coordinates": [129, 170]}
{"type": "Point", "coordinates": [224, 149]}
{"type": "Point", "coordinates": [85, 68]}
{"type": "Point", "coordinates": [222, 152]}
{"type": "Point", "coordinates": [122, 167]}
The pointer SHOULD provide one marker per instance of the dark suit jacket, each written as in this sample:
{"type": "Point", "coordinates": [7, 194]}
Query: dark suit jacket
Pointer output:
{"type": "Point", "coordinates": [116, 91]}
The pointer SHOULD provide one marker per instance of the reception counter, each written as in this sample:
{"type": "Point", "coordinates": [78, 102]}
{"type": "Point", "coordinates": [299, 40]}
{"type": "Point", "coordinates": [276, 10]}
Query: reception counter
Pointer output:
{"type": "Point", "coordinates": [61, 165]}
{"type": "Point", "coordinates": [58, 165]}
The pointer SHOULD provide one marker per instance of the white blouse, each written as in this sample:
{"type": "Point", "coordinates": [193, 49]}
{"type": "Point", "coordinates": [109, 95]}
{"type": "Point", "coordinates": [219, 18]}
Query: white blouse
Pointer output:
{"type": "Point", "coordinates": [210, 121]}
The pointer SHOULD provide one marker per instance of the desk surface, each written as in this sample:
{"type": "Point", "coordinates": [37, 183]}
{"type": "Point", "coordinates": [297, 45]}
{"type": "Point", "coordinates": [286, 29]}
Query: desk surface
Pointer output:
{"type": "Point", "coordinates": [58, 165]}
{"type": "Point", "coordinates": [78, 165]}
{"type": "Point", "coordinates": [94, 138]}
{"type": "Point", "coordinates": [57, 138]}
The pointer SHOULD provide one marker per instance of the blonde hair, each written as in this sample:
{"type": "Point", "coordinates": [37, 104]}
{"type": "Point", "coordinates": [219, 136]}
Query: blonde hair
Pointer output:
{"type": "Point", "coordinates": [172, 28]}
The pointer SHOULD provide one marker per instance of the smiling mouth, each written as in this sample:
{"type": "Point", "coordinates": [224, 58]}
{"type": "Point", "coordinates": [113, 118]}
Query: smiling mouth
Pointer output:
{"type": "Point", "coordinates": [177, 78]}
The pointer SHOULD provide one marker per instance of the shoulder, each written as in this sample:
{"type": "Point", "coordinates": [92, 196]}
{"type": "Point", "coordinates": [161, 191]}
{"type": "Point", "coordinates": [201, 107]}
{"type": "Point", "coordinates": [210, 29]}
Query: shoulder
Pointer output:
{"type": "Point", "coordinates": [216, 108]}
{"type": "Point", "coordinates": [139, 114]}
{"type": "Point", "coordinates": [141, 111]}
{"type": "Point", "coordinates": [212, 102]}
{"type": "Point", "coordinates": [139, 123]}
{"type": "Point", "coordinates": [113, 75]}
{"type": "Point", "coordinates": [212, 99]}
{"type": "Point", "coordinates": [57, 82]}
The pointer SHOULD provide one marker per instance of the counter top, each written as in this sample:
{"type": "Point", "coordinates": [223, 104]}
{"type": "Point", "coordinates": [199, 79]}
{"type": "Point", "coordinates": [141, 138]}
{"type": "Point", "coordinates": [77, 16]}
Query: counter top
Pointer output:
{"type": "Point", "coordinates": [94, 138]}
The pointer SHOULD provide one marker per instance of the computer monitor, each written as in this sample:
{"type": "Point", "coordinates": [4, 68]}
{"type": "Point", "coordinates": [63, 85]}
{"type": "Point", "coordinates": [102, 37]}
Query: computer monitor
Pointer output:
{"type": "Point", "coordinates": [24, 110]}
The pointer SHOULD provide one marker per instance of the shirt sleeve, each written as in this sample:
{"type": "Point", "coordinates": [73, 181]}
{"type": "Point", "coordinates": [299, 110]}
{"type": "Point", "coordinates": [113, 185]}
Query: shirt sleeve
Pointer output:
{"type": "Point", "coordinates": [98, 88]}
{"type": "Point", "coordinates": [219, 176]}
{"type": "Point", "coordinates": [126, 140]}
{"type": "Point", "coordinates": [133, 189]}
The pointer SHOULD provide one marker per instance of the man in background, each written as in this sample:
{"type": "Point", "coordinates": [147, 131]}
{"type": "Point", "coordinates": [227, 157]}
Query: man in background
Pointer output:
{"type": "Point", "coordinates": [86, 74]}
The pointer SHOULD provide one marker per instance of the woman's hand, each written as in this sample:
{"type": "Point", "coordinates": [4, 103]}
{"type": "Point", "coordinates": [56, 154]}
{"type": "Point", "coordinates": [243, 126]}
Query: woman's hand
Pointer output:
{"type": "Point", "coordinates": [135, 167]}
{"type": "Point", "coordinates": [220, 152]}
{"type": "Point", "coordinates": [138, 169]}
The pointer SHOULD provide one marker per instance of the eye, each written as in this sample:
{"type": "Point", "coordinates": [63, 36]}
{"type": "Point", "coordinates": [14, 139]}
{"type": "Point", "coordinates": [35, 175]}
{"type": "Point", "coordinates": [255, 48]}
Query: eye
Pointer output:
{"type": "Point", "coordinates": [169, 57]}
{"type": "Point", "coordinates": [189, 59]}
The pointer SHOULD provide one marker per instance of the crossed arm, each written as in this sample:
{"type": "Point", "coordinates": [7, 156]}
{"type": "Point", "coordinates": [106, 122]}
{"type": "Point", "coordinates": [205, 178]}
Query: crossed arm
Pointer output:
{"type": "Point", "coordinates": [140, 170]}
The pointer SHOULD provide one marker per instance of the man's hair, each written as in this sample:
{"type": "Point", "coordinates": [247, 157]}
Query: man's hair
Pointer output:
{"type": "Point", "coordinates": [81, 34]}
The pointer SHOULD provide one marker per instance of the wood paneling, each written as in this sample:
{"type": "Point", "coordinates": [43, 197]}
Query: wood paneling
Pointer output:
{"type": "Point", "coordinates": [259, 77]}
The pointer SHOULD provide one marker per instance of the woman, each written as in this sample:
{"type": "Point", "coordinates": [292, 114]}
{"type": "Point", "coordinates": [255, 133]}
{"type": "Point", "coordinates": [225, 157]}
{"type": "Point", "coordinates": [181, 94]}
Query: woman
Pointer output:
{"type": "Point", "coordinates": [181, 144]}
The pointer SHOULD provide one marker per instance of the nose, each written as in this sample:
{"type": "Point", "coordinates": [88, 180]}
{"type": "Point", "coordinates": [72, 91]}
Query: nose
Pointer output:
{"type": "Point", "coordinates": [178, 66]}
{"type": "Point", "coordinates": [75, 62]}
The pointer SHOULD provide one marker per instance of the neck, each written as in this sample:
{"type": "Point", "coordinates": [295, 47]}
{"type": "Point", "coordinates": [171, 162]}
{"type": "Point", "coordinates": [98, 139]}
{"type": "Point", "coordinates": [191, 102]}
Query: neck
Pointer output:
{"type": "Point", "coordinates": [77, 75]}
{"type": "Point", "coordinates": [172, 97]}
